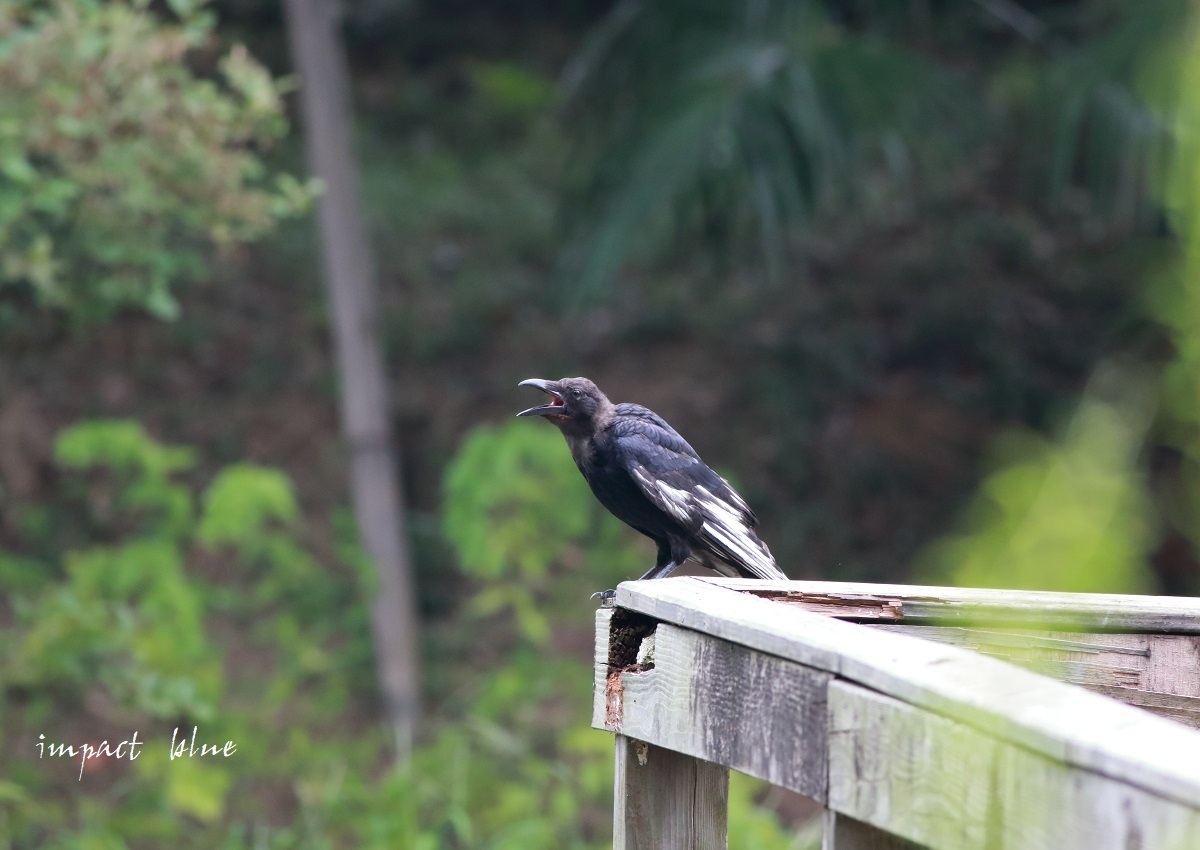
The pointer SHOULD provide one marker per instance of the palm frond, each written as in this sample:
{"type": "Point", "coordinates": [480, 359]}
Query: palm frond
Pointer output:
{"type": "Point", "coordinates": [729, 126]}
{"type": "Point", "coordinates": [1087, 126]}
{"type": "Point", "coordinates": [745, 123]}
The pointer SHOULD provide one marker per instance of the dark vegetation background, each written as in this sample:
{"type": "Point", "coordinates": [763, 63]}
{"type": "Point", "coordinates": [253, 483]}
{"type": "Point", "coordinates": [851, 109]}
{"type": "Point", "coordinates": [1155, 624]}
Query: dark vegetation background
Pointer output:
{"type": "Point", "coordinates": [865, 256]}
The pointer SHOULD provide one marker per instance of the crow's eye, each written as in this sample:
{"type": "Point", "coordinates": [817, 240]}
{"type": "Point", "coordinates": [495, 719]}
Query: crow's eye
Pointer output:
{"type": "Point", "coordinates": [577, 393]}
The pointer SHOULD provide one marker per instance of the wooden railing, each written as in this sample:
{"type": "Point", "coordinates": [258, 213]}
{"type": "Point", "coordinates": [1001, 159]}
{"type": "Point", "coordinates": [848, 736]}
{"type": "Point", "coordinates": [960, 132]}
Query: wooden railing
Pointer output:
{"type": "Point", "coordinates": [904, 739]}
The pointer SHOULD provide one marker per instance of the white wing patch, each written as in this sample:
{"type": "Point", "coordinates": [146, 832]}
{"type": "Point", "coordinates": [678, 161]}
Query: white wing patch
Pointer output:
{"type": "Point", "coordinates": [726, 526]}
{"type": "Point", "coordinates": [738, 501]}
{"type": "Point", "coordinates": [676, 502]}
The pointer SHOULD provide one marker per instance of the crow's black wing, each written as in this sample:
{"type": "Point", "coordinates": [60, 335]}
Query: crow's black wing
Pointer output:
{"type": "Point", "coordinates": [672, 476]}
{"type": "Point", "coordinates": [661, 463]}
{"type": "Point", "coordinates": [635, 419]}
{"type": "Point", "coordinates": [655, 447]}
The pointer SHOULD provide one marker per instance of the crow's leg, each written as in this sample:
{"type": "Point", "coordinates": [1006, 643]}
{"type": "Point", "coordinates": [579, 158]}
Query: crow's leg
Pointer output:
{"type": "Point", "coordinates": [669, 559]}
{"type": "Point", "coordinates": [670, 556]}
{"type": "Point", "coordinates": [662, 570]}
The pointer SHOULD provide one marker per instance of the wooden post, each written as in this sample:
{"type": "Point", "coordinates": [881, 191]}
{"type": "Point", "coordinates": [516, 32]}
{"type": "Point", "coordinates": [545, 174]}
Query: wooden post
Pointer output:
{"type": "Point", "coordinates": [843, 833]}
{"type": "Point", "coordinates": [668, 801]}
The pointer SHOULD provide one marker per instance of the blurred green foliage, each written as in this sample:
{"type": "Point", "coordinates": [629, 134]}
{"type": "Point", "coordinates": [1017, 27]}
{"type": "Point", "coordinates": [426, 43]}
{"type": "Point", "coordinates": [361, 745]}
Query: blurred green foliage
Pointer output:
{"type": "Point", "coordinates": [1068, 514]}
{"type": "Point", "coordinates": [1076, 512]}
{"type": "Point", "coordinates": [115, 634]}
{"type": "Point", "coordinates": [505, 507]}
{"type": "Point", "coordinates": [518, 514]}
{"type": "Point", "coordinates": [119, 163]}
{"type": "Point", "coordinates": [740, 124]}
{"type": "Point", "coordinates": [176, 610]}
{"type": "Point", "coordinates": [1174, 295]}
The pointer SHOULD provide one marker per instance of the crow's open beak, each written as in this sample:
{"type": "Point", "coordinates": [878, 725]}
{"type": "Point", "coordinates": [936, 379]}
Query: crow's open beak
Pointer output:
{"type": "Point", "coordinates": [551, 389]}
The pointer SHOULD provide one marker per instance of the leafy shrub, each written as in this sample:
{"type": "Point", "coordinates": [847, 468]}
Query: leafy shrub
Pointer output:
{"type": "Point", "coordinates": [517, 510]}
{"type": "Point", "coordinates": [116, 635]}
{"type": "Point", "coordinates": [117, 162]}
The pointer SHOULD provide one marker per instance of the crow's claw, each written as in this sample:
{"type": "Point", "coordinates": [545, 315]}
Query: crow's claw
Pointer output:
{"type": "Point", "coordinates": [606, 597]}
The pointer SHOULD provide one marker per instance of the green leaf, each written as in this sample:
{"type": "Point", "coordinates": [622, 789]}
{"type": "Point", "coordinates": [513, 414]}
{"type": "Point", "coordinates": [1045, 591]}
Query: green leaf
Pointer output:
{"type": "Point", "coordinates": [197, 788]}
{"type": "Point", "coordinates": [120, 444]}
{"type": "Point", "coordinates": [92, 92]}
{"type": "Point", "coordinates": [513, 498]}
{"type": "Point", "coordinates": [242, 502]}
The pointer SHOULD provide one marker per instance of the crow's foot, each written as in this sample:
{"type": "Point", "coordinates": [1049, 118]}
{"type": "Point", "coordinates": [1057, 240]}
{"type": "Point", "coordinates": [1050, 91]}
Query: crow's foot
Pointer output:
{"type": "Point", "coordinates": [606, 597]}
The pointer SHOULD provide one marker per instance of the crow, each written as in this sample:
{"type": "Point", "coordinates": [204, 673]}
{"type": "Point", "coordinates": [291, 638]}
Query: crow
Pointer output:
{"type": "Point", "coordinates": [652, 480]}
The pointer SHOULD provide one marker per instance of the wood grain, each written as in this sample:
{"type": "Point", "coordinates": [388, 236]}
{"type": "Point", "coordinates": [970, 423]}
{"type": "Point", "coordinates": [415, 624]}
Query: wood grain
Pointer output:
{"type": "Point", "coordinates": [665, 800]}
{"type": "Point", "coordinates": [725, 703]}
{"type": "Point", "coordinates": [916, 603]}
{"type": "Point", "coordinates": [840, 832]}
{"type": "Point", "coordinates": [1159, 673]}
{"type": "Point", "coordinates": [949, 786]}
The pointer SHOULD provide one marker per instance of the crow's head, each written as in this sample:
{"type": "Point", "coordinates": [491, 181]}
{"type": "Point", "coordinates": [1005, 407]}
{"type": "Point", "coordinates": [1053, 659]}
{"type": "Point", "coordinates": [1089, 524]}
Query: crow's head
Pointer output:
{"type": "Point", "coordinates": [574, 402]}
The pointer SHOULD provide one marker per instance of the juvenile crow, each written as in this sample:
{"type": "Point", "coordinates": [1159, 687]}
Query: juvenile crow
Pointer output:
{"type": "Point", "coordinates": [651, 479]}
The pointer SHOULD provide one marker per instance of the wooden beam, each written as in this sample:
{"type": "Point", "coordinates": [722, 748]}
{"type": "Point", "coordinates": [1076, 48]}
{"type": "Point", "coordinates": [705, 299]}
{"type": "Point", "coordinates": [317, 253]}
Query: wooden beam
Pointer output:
{"type": "Point", "coordinates": [949, 786]}
{"type": "Point", "coordinates": [724, 703]}
{"type": "Point", "coordinates": [1185, 710]}
{"type": "Point", "coordinates": [1157, 672]}
{"type": "Point", "coordinates": [1057, 722]}
{"type": "Point", "coordinates": [665, 800]}
{"type": "Point", "coordinates": [1014, 608]}
{"type": "Point", "coordinates": [844, 833]}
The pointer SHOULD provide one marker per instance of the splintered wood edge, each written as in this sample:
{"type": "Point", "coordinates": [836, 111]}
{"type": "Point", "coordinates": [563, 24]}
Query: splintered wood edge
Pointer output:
{"type": "Point", "coordinates": [600, 706]}
{"type": "Point", "coordinates": [1028, 608]}
{"type": "Point", "coordinates": [724, 703]}
{"type": "Point", "coordinates": [1062, 722]}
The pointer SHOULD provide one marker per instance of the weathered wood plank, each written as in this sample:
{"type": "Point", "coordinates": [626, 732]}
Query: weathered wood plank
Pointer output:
{"type": "Point", "coordinates": [1151, 662]}
{"type": "Point", "coordinates": [845, 833]}
{"type": "Point", "coordinates": [1160, 673]}
{"type": "Point", "coordinates": [1185, 710]}
{"type": "Point", "coordinates": [724, 703]}
{"type": "Point", "coordinates": [1061, 723]}
{"type": "Point", "coordinates": [915, 603]}
{"type": "Point", "coordinates": [668, 801]}
{"type": "Point", "coordinates": [949, 786]}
